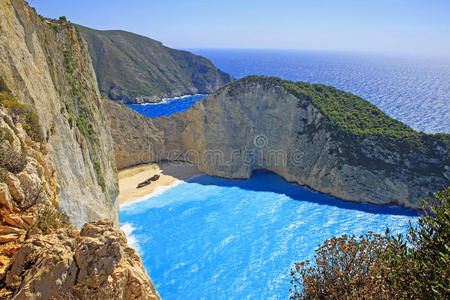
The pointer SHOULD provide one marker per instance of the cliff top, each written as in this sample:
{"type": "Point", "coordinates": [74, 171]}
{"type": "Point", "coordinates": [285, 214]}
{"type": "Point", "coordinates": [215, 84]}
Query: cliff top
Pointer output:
{"type": "Point", "coordinates": [350, 118]}
{"type": "Point", "coordinates": [130, 66]}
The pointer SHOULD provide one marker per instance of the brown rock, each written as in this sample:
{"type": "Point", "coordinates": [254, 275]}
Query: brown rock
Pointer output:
{"type": "Point", "coordinates": [96, 262]}
{"type": "Point", "coordinates": [8, 229]}
{"type": "Point", "coordinates": [29, 219]}
{"type": "Point", "coordinates": [14, 188]}
{"type": "Point", "coordinates": [5, 196]}
{"type": "Point", "coordinates": [15, 221]}
{"type": "Point", "coordinates": [33, 231]}
{"type": "Point", "coordinates": [8, 238]}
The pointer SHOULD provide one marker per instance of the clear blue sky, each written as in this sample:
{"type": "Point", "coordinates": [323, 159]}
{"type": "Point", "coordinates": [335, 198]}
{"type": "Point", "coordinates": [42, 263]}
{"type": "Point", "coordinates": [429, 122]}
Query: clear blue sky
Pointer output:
{"type": "Point", "coordinates": [406, 26]}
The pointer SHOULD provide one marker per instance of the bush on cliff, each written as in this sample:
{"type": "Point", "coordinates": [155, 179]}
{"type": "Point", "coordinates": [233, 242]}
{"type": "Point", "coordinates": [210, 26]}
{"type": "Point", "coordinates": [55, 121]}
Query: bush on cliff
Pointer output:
{"type": "Point", "coordinates": [12, 160]}
{"type": "Point", "coordinates": [351, 119]}
{"type": "Point", "coordinates": [3, 87]}
{"type": "Point", "coordinates": [383, 267]}
{"type": "Point", "coordinates": [24, 114]}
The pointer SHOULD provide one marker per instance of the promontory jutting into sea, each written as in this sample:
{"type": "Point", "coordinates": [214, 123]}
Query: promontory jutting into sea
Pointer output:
{"type": "Point", "coordinates": [293, 151]}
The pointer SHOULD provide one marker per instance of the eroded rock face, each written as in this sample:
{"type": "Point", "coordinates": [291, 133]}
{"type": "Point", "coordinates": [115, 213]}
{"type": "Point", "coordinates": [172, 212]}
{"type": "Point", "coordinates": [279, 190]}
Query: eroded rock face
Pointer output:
{"type": "Point", "coordinates": [68, 264]}
{"type": "Point", "coordinates": [231, 133]}
{"type": "Point", "coordinates": [47, 65]}
{"type": "Point", "coordinates": [41, 255]}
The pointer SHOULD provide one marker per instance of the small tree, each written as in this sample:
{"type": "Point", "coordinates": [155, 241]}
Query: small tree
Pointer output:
{"type": "Point", "coordinates": [346, 267]}
{"type": "Point", "coordinates": [418, 266]}
{"type": "Point", "coordinates": [63, 19]}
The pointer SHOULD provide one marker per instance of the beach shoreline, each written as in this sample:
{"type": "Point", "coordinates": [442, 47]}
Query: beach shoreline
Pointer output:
{"type": "Point", "coordinates": [171, 174]}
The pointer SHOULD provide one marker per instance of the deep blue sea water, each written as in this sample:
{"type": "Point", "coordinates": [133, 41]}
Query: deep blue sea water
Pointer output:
{"type": "Point", "coordinates": [212, 238]}
{"type": "Point", "coordinates": [414, 90]}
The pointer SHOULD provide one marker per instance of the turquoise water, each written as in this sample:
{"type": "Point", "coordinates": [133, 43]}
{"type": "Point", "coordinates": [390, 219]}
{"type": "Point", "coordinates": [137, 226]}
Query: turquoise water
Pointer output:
{"type": "Point", "coordinates": [212, 238]}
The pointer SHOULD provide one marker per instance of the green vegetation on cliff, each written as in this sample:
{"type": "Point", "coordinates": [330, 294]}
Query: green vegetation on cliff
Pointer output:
{"type": "Point", "coordinates": [130, 66]}
{"type": "Point", "coordinates": [23, 114]}
{"type": "Point", "coordinates": [351, 119]}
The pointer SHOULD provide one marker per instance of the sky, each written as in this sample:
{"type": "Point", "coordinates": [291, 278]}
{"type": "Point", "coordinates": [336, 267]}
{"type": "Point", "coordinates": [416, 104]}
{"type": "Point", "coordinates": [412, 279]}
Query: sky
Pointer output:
{"type": "Point", "coordinates": [413, 27]}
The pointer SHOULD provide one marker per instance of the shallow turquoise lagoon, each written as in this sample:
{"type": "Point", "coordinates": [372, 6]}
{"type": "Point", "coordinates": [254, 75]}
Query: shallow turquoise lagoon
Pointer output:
{"type": "Point", "coordinates": [213, 238]}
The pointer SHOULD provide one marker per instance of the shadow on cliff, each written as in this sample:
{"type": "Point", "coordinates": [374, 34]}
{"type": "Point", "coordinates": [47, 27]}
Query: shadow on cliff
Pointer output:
{"type": "Point", "coordinates": [265, 181]}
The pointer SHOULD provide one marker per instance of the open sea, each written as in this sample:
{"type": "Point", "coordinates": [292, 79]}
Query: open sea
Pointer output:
{"type": "Point", "coordinates": [213, 238]}
{"type": "Point", "coordinates": [414, 90]}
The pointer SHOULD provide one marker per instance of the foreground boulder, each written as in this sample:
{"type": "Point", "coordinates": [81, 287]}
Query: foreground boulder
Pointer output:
{"type": "Point", "coordinates": [95, 263]}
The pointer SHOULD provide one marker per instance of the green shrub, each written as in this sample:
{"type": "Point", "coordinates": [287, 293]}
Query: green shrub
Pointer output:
{"type": "Point", "coordinates": [51, 218]}
{"type": "Point", "coordinates": [68, 62]}
{"type": "Point", "coordinates": [5, 135]}
{"type": "Point", "coordinates": [345, 267]}
{"type": "Point", "coordinates": [12, 160]}
{"type": "Point", "coordinates": [98, 172]}
{"type": "Point", "coordinates": [3, 87]}
{"type": "Point", "coordinates": [14, 107]}
{"type": "Point", "coordinates": [32, 126]}
{"type": "Point", "coordinates": [63, 19]}
{"type": "Point", "coordinates": [53, 26]}
{"type": "Point", "coordinates": [25, 115]}
{"type": "Point", "coordinates": [383, 267]}
{"type": "Point", "coordinates": [86, 128]}
{"type": "Point", "coordinates": [418, 266]}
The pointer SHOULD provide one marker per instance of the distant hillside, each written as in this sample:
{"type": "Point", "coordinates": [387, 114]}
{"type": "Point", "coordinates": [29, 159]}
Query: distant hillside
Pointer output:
{"type": "Point", "coordinates": [134, 69]}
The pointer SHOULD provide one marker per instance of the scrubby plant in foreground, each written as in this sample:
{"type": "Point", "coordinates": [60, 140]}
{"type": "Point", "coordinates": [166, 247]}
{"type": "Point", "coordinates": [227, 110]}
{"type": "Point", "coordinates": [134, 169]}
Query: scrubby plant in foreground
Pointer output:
{"type": "Point", "coordinates": [375, 266]}
{"type": "Point", "coordinates": [418, 266]}
{"type": "Point", "coordinates": [346, 267]}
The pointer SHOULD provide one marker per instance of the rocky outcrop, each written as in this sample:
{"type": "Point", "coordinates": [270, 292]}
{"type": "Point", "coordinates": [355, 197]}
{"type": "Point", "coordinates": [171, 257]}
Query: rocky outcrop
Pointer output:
{"type": "Point", "coordinates": [95, 263]}
{"type": "Point", "coordinates": [261, 124]}
{"type": "Point", "coordinates": [47, 65]}
{"type": "Point", "coordinates": [135, 69]}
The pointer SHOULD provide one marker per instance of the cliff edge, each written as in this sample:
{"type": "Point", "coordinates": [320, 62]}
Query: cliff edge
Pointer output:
{"type": "Point", "coordinates": [46, 64]}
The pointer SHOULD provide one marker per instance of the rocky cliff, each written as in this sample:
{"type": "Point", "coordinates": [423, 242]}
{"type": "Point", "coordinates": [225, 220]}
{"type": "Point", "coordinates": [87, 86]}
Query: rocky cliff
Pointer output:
{"type": "Point", "coordinates": [313, 135]}
{"type": "Point", "coordinates": [46, 64]}
{"type": "Point", "coordinates": [135, 69]}
{"type": "Point", "coordinates": [57, 170]}
{"type": "Point", "coordinates": [42, 256]}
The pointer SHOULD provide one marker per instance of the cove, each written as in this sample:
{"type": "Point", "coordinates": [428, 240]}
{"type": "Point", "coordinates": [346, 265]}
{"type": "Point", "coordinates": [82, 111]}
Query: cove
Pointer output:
{"type": "Point", "coordinates": [214, 238]}
{"type": "Point", "coordinates": [167, 106]}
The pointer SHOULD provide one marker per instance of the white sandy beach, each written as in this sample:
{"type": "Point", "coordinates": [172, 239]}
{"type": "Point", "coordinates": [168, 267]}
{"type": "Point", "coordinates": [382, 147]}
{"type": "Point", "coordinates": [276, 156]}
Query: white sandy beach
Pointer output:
{"type": "Point", "coordinates": [170, 172]}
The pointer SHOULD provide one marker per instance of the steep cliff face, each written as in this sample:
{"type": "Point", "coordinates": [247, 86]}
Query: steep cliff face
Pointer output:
{"type": "Point", "coordinates": [264, 123]}
{"type": "Point", "coordinates": [41, 255]}
{"type": "Point", "coordinates": [135, 69]}
{"type": "Point", "coordinates": [56, 161]}
{"type": "Point", "coordinates": [47, 65]}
